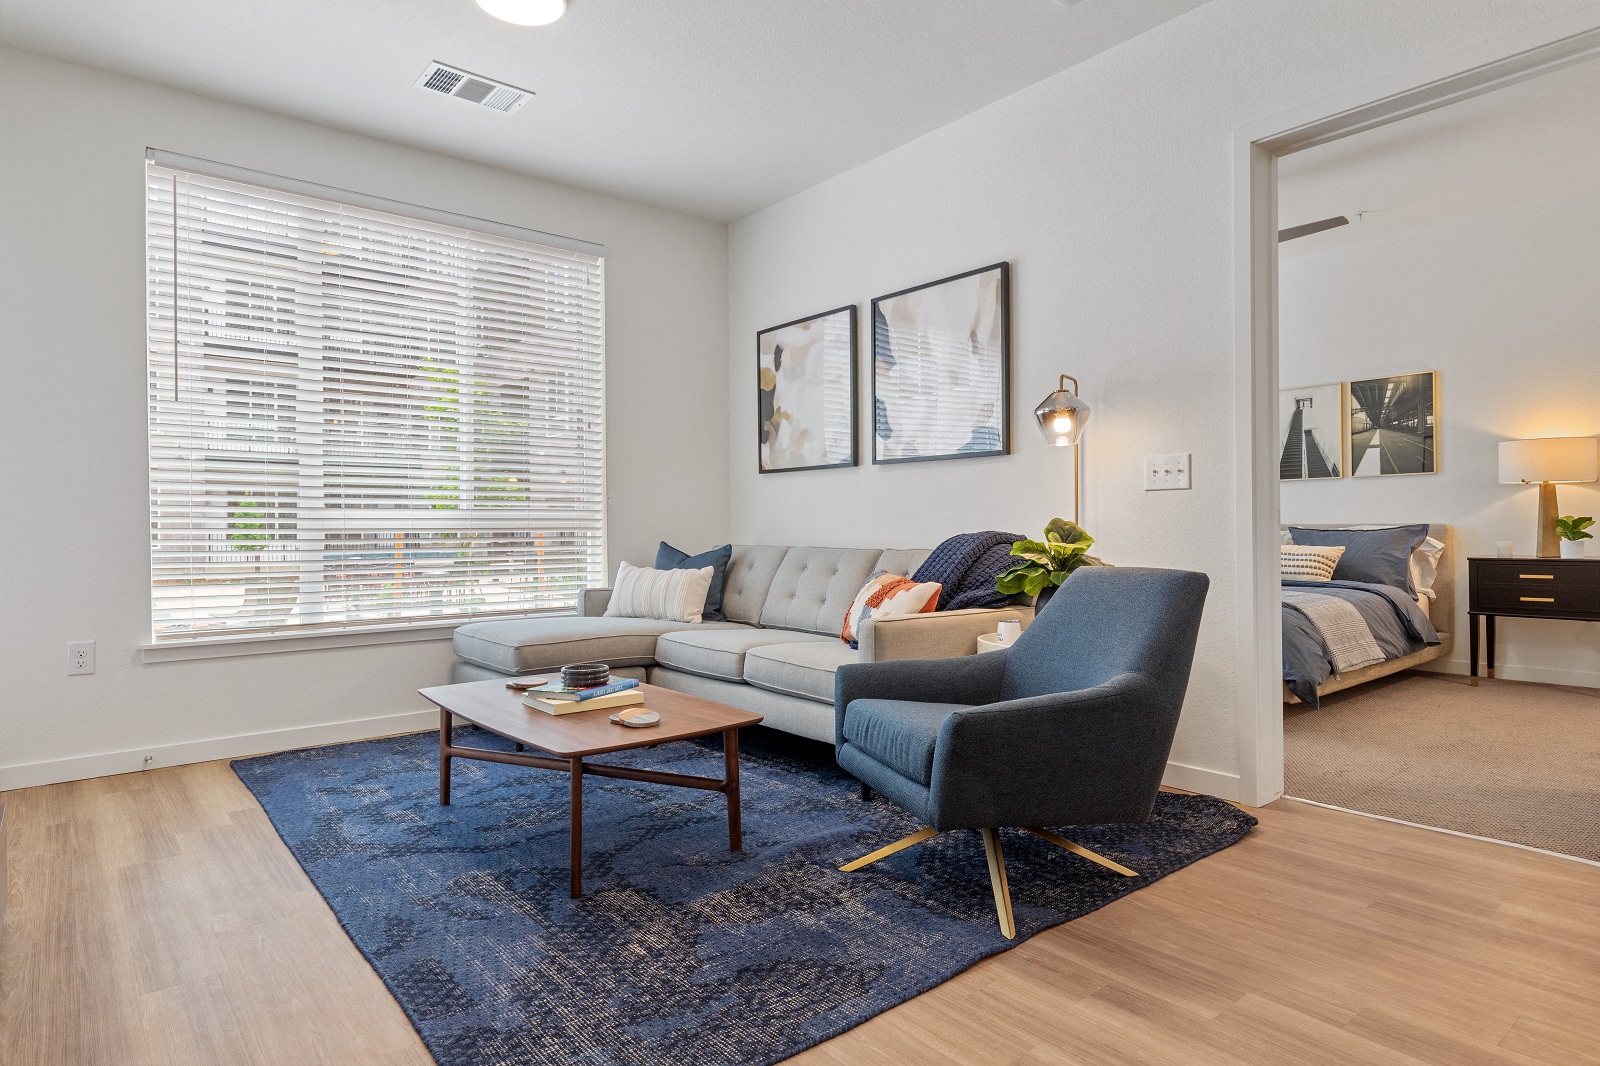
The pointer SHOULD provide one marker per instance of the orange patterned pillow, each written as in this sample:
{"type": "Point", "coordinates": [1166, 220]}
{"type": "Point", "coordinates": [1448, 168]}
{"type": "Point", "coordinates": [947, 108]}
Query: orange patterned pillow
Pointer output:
{"type": "Point", "coordinates": [887, 595]}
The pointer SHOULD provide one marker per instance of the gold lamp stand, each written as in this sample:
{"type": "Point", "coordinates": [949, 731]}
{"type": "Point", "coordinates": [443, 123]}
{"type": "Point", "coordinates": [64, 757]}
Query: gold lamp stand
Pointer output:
{"type": "Point", "coordinates": [1549, 511]}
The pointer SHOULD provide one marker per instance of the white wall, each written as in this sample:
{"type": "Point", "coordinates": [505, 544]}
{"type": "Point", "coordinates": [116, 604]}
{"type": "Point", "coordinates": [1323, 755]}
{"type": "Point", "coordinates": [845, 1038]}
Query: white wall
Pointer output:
{"type": "Point", "coordinates": [74, 561]}
{"type": "Point", "coordinates": [1506, 307]}
{"type": "Point", "coordinates": [1109, 188]}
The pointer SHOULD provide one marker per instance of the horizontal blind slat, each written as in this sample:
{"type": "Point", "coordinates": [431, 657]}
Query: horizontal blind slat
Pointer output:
{"type": "Point", "coordinates": [358, 418]}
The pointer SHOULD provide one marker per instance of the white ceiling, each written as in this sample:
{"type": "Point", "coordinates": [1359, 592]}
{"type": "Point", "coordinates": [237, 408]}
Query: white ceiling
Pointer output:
{"type": "Point", "coordinates": [1535, 141]}
{"type": "Point", "coordinates": [715, 107]}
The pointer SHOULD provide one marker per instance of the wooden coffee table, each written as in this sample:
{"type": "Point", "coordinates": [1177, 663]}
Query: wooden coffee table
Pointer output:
{"type": "Point", "coordinates": [568, 739]}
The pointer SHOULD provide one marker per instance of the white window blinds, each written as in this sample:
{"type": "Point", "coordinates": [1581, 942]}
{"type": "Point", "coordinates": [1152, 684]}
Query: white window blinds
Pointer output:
{"type": "Point", "coordinates": [362, 418]}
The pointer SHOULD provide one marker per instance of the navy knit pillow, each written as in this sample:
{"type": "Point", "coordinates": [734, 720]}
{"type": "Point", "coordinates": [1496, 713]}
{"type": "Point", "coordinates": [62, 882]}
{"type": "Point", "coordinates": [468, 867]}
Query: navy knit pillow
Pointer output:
{"type": "Point", "coordinates": [670, 558]}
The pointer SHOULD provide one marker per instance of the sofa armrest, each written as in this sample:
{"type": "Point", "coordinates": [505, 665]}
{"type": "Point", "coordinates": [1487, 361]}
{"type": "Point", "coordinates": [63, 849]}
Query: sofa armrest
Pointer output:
{"type": "Point", "coordinates": [939, 635]}
{"type": "Point", "coordinates": [592, 602]}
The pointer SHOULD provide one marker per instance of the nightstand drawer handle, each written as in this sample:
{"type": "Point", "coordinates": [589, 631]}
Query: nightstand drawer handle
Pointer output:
{"type": "Point", "coordinates": [1537, 599]}
{"type": "Point", "coordinates": [1537, 577]}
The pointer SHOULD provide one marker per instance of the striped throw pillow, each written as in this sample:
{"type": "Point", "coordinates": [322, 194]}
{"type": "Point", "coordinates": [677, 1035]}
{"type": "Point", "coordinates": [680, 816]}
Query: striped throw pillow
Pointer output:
{"type": "Point", "coordinates": [1309, 562]}
{"type": "Point", "coordinates": [887, 595]}
{"type": "Point", "coordinates": [668, 595]}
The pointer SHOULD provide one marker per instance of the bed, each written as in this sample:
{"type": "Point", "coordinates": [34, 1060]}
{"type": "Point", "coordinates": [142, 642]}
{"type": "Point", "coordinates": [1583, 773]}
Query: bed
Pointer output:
{"type": "Point", "coordinates": [1405, 628]}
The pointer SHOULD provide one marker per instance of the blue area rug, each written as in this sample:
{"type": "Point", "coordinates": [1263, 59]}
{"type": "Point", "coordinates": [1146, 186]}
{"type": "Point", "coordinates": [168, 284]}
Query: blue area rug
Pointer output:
{"type": "Point", "coordinates": [681, 953]}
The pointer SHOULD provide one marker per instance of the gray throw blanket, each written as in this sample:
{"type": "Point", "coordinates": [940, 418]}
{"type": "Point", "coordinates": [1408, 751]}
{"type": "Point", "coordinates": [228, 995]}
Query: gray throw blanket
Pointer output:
{"type": "Point", "coordinates": [966, 565]}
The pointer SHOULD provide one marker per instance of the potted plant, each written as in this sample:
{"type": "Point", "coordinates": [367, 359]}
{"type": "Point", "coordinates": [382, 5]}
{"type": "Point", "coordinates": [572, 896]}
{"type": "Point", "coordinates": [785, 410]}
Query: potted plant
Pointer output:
{"type": "Point", "coordinates": [1047, 563]}
{"type": "Point", "coordinates": [1573, 532]}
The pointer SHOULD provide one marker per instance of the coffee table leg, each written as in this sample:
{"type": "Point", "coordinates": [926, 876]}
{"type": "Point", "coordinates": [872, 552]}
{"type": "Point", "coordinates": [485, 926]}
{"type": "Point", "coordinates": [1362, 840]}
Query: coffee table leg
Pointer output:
{"type": "Point", "coordinates": [444, 757]}
{"type": "Point", "coordinates": [577, 828]}
{"type": "Point", "coordinates": [730, 774]}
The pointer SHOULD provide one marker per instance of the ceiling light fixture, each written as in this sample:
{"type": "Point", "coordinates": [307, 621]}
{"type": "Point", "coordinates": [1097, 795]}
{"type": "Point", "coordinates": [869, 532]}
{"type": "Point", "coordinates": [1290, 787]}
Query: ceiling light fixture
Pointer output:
{"type": "Point", "coordinates": [525, 12]}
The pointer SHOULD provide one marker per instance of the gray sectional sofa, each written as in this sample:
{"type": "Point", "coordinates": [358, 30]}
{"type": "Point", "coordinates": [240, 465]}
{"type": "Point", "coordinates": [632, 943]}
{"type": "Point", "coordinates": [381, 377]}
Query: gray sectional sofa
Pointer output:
{"type": "Point", "coordinates": [776, 653]}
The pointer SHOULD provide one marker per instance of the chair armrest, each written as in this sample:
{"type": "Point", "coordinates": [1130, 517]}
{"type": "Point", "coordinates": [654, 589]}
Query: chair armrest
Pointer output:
{"type": "Point", "coordinates": [937, 635]}
{"type": "Point", "coordinates": [971, 679]}
{"type": "Point", "coordinates": [1092, 756]}
{"type": "Point", "coordinates": [592, 602]}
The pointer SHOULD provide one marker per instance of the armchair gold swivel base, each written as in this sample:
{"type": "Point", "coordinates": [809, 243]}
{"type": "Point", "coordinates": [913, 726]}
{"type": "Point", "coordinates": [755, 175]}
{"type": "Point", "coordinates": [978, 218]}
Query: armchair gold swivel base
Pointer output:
{"type": "Point", "coordinates": [997, 864]}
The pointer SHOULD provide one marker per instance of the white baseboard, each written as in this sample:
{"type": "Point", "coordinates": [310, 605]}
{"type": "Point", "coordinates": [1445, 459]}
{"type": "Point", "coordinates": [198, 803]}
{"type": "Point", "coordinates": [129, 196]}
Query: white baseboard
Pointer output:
{"type": "Point", "coordinates": [1543, 675]}
{"type": "Point", "coordinates": [108, 763]}
{"type": "Point", "coordinates": [1199, 779]}
{"type": "Point", "coordinates": [105, 764]}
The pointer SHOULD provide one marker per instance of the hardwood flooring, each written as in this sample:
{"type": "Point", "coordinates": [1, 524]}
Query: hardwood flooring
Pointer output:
{"type": "Point", "coordinates": [156, 918]}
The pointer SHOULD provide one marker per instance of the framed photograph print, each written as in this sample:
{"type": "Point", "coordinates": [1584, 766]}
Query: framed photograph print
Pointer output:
{"type": "Point", "coordinates": [806, 392]}
{"type": "Point", "coordinates": [941, 356]}
{"type": "Point", "coordinates": [1392, 425]}
{"type": "Point", "coordinates": [1311, 424]}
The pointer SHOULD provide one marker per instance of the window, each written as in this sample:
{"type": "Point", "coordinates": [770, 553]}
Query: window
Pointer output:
{"type": "Point", "coordinates": [360, 417]}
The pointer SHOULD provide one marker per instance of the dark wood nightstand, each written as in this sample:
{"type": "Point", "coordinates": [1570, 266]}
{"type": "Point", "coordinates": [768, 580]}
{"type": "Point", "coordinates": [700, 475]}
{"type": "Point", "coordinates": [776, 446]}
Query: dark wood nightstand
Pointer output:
{"type": "Point", "coordinates": [1528, 587]}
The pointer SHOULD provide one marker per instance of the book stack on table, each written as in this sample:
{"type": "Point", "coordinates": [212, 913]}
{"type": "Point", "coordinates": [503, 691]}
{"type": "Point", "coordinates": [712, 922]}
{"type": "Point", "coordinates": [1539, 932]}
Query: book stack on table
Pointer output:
{"type": "Point", "coordinates": [556, 698]}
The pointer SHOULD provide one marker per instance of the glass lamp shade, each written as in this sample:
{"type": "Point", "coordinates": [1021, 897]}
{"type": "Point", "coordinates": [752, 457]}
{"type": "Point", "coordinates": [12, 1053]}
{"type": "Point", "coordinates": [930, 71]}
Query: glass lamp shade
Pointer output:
{"type": "Point", "coordinates": [1061, 417]}
{"type": "Point", "coordinates": [525, 12]}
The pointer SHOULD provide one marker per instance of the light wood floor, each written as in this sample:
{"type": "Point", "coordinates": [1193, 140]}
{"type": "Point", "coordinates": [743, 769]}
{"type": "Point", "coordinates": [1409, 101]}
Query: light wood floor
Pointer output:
{"type": "Point", "coordinates": [156, 918]}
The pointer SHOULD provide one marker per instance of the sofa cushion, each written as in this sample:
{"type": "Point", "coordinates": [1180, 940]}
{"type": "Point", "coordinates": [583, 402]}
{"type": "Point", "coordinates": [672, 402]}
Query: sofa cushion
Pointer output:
{"type": "Point", "coordinates": [751, 568]}
{"type": "Point", "coordinates": [814, 586]}
{"type": "Point", "coordinates": [717, 653]}
{"type": "Point", "coordinates": [902, 560]}
{"type": "Point", "coordinates": [526, 645]}
{"type": "Point", "coordinates": [898, 733]}
{"type": "Point", "coordinates": [800, 668]}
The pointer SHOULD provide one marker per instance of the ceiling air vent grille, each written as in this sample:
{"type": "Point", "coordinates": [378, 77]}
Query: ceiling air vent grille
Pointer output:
{"type": "Point", "coordinates": [472, 88]}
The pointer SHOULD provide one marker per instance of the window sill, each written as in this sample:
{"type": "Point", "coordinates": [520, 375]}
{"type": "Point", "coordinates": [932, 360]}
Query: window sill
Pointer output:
{"type": "Point", "coordinates": [183, 649]}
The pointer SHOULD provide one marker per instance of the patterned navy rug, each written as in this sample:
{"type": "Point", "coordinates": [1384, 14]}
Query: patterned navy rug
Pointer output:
{"type": "Point", "coordinates": [681, 952]}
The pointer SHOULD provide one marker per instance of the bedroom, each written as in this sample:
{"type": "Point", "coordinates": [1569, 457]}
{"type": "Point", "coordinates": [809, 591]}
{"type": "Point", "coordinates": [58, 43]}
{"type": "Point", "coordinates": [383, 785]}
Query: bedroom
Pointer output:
{"type": "Point", "coordinates": [1438, 328]}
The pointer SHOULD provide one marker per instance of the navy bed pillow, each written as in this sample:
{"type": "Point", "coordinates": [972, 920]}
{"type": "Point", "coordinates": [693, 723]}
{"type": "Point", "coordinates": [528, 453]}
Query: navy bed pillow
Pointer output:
{"type": "Point", "coordinates": [670, 558]}
{"type": "Point", "coordinates": [1378, 556]}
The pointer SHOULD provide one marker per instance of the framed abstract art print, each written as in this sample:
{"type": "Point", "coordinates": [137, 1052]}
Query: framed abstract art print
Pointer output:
{"type": "Point", "coordinates": [941, 355]}
{"type": "Point", "coordinates": [806, 392]}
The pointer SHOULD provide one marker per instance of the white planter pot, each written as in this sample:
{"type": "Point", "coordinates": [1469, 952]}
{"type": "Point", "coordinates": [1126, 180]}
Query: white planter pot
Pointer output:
{"type": "Point", "coordinates": [1573, 549]}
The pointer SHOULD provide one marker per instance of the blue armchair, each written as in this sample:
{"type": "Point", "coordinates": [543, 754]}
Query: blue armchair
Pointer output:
{"type": "Point", "coordinates": [1071, 725]}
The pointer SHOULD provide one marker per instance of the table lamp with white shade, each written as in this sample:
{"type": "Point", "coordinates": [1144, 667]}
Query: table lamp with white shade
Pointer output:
{"type": "Point", "coordinates": [1544, 461]}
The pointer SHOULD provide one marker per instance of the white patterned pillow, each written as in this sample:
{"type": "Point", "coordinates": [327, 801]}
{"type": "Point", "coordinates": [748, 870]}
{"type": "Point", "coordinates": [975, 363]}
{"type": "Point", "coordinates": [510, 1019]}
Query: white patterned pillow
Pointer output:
{"type": "Point", "coordinates": [887, 595]}
{"type": "Point", "coordinates": [1309, 562]}
{"type": "Point", "coordinates": [668, 595]}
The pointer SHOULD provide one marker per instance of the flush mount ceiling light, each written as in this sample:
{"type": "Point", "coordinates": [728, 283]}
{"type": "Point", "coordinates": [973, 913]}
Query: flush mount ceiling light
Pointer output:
{"type": "Point", "coordinates": [525, 12]}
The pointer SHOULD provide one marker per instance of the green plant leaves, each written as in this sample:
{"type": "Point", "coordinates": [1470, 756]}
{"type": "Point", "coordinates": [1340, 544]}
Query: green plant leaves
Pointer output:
{"type": "Point", "coordinates": [1047, 562]}
{"type": "Point", "coordinates": [1572, 528]}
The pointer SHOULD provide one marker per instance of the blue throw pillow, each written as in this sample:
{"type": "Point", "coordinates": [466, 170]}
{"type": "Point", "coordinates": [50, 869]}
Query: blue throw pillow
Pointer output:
{"type": "Point", "coordinates": [1377, 556]}
{"type": "Point", "coordinates": [670, 558]}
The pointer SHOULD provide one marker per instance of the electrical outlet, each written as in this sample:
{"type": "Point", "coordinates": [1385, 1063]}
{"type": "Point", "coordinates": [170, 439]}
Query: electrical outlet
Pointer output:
{"type": "Point", "coordinates": [80, 657]}
{"type": "Point", "coordinates": [1166, 472]}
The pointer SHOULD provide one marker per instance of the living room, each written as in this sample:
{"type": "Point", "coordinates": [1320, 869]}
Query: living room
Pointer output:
{"type": "Point", "coordinates": [714, 170]}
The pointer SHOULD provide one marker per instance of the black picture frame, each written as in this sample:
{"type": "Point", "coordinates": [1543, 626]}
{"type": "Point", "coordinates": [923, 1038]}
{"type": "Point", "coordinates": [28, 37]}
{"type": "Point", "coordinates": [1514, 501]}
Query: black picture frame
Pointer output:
{"type": "Point", "coordinates": [764, 414]}
{"type": "Point", "coordinates": [880, 349]}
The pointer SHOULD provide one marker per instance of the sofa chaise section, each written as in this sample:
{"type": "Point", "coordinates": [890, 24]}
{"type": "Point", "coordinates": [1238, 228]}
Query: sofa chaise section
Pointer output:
{"type": "Point", "coordinates": [775, 655]}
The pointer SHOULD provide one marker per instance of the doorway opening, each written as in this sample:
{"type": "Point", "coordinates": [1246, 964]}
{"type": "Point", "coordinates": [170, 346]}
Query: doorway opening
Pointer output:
{"type": "Point", "coordinates": [1381, 426]}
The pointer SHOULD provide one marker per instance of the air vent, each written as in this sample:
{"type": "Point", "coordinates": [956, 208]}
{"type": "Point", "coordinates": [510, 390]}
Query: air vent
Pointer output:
{"type": "Point", "coordinates": [472, 88]}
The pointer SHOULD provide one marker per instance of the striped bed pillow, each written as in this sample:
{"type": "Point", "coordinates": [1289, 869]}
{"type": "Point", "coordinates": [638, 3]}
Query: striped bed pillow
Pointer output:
{"type": "Point", "coordinates": [1308, 562]}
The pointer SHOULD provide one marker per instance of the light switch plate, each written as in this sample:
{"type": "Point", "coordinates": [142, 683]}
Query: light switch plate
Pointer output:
{"type": "Point", "coordinates": [1166, 471]}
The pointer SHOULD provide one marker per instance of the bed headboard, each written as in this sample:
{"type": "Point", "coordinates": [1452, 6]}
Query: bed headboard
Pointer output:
{"type": "Point", "coordinates": [1442, 612]}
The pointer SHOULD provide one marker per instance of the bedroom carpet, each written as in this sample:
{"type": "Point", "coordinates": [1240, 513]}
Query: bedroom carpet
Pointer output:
{"type": "Point", "coordinates": [681, 954]}
{"type": "Point", "coordinates": [1508, 760]}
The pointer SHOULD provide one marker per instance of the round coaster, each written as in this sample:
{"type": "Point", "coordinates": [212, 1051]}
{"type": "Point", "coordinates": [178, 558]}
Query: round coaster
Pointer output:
{"type": "Point", "coordinates": [526, 683]}
{"type": "Point", "coordinates": [636, 717]}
